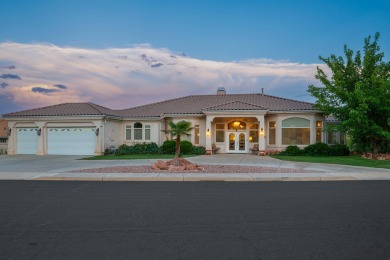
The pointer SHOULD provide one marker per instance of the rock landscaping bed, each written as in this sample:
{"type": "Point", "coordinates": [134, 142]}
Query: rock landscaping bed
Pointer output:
{"type": "Point", "coordinates": [200, 169]}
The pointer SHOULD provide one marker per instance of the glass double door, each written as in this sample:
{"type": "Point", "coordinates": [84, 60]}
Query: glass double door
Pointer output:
{"type": "Point", "coordinates": [237, 142]}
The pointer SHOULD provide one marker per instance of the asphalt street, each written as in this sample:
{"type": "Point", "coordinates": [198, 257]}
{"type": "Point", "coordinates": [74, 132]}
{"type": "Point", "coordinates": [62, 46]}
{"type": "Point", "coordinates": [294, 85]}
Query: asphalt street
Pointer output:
{"type": "Point", "coordinates": [194, 220]}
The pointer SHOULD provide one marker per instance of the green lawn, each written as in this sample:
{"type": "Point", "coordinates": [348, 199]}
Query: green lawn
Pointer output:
{"type": "Point", "coordinates": [345, 160]}
{"type": "Point", "coordinates": [134, 157]}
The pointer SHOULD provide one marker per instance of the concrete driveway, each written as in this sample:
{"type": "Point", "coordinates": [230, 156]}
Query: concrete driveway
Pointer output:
{"type": "Point", "coordinates": [33, 166]}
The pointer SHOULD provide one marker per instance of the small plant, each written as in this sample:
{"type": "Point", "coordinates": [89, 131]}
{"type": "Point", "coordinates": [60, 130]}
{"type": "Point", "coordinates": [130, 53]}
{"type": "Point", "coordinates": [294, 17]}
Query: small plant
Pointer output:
{"type": "Point", "coordinates": [198, 150]}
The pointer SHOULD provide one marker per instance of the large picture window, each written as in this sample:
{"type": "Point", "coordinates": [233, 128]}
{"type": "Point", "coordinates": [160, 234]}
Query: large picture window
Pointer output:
{"type": "Point", "coordinates": [295, 131]}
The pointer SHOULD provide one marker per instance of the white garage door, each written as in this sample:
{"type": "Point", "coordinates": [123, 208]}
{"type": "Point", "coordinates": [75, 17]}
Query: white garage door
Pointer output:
{"type": "Point", "coordinates": [27, 140]}
{"type": "Point", "coordinates": [71, 141]}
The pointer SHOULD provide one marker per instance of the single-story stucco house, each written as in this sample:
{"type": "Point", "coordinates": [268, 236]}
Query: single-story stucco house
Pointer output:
{"type": "Point", "coordinates": [234, 123]}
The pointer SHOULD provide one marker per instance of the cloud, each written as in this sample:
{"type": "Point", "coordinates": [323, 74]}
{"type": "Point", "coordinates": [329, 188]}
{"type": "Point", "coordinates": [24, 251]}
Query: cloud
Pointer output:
{"type": "Point", "coordinates": [128, 77]}
{"type": "Point", "coordinates": [60, 86]}
{"type": "Point", "coordinates": [12, 67]}
{"type": "Point", "coordinates": [44, 90]}
{"type": "Point", "coordinates": [10, 76]}
{"type": "Point", "coordinates": [4, 85]}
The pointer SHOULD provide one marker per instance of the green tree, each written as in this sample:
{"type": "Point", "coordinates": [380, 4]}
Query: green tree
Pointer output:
{"type": "Point", "coordinates": [178, 129]}
{"type": "Point", "coordinates": [357, 93]}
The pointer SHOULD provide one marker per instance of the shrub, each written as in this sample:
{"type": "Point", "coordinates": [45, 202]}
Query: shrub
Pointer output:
{"type": "Point", "coordinates": [168, 147]}
{"type": "Point", "coordinates": [338, 150]}
{"type": "Point", "coordinates": [122, 149]}
{"type": "Point", "coordinates": [292, 150]}
{"type": "Point", "coordinates": [185, 147]}
{"type": "Point", "coordinates": [316, 149]}
{"type": "Point", "coordinates": [198, 150]}
{"type": "Point", "coordinates": [139, 148]}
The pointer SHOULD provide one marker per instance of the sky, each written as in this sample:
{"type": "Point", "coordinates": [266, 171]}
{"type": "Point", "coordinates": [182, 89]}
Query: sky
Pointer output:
{"type": "Point", "coordinates": [122, 54]}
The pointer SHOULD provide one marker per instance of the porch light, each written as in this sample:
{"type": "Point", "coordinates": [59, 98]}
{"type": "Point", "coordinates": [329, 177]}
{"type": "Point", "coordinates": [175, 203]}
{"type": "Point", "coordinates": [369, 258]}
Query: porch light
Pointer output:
{"type": "Point", "coordinates": [97, 131]}
{"type": "Point", "coordinates": [39, 131]}
{"type": "Point", "coordinates": [208, 132]}
{"type": "Point", "coordinates": [250, 138]}
{"type": "Point", "coordinates": [261, 132]}
{"type": "Point", "coordinates": [236, 124]}
{"type": "Point", "coordinates": [318, 123]}
{"type": "Point", "coordinates": [9, 131]}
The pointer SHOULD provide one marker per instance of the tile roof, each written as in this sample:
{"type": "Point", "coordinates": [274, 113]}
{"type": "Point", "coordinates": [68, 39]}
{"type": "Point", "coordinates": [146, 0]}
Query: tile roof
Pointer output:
{"type": "Point", "coordinates": [234, 105]}
{"type": "Point", "coordinates": [185, 105]}
{"type": "Point", "coordinates": [65, 109]}
{"type": "Point", "coordinates": [196, 104]}
{"type": "Point", "coordinates": [3, 128]}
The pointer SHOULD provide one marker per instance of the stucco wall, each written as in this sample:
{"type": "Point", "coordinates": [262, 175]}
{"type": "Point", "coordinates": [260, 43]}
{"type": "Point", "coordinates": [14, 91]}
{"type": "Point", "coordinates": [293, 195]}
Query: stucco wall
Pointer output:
{"type": "Point", "coordinates": [112, 134]}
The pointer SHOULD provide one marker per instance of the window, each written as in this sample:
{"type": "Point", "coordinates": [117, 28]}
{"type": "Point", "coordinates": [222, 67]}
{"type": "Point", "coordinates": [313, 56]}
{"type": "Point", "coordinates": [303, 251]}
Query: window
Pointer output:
{"type": "Point", "coordinates": [147, 132]}
{"type": "Point", "coordinates": [220, 133]}
{"type": "Point", "coordinates": [3, 140]}
{"type": "Point", "coordinates": [137, 131]}
{"type": "Point", "coordinates": [272, 132]}
{"type": "Point", "coordinates": [197, 134]}
{"type": "Point", "coordinates": [318, 131]}
{"type": "Point", "coordinates": [336, 137]}
{"type": "Point", "coordinates": [295, 131]}
{"type": "Point", "coordinates": [332, 137]}
{"type": "Point", "coordinates": [254, 133]}
{"type": "Point", "coordinates": [128, 132]}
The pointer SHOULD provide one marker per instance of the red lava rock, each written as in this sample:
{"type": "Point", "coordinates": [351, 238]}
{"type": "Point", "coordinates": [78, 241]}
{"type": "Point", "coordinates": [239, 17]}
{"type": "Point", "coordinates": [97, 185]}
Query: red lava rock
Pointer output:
{"type": "Point", "coordinates": [154, 167]}
{"type": "Point", "coordinates": [162, 165]}
{"type": "Point", "coordinates": [190, 167]}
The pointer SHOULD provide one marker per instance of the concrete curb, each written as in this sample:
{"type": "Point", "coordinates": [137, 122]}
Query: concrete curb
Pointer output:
{"type": "Point", "coordinates": [200, 179]}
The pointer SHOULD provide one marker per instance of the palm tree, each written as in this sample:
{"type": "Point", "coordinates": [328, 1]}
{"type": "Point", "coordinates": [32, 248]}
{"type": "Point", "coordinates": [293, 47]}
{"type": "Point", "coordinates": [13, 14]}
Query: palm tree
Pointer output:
{"type": "Point", "coordinates": [178, 129]}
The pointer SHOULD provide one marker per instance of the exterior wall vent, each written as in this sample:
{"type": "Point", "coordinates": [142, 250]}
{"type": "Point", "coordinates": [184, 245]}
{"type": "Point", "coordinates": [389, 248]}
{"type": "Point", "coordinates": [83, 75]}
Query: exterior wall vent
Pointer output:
{"type": "Point", "coordinates": [221, 91]}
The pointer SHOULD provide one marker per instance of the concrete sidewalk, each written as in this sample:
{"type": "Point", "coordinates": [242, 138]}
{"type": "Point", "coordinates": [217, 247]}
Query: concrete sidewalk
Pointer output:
{"type": "Point", "coordinates": [57, 168]}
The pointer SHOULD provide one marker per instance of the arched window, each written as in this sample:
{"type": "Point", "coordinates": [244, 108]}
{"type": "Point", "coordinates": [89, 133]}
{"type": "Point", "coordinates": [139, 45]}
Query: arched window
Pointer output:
{"type": "Point", "coordinates": [137, 131]}
{"type": "Point", "coordinates": [295, 131]}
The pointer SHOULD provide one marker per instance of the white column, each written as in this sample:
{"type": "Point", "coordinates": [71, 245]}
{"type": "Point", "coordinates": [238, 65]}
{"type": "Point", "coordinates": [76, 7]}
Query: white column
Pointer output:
{"type": "Point", "coordinates": [209, 119]}
{"type": "Point", "coordinates": [313, 129]}
{"type": "Point", "coordinates": [262, 134]}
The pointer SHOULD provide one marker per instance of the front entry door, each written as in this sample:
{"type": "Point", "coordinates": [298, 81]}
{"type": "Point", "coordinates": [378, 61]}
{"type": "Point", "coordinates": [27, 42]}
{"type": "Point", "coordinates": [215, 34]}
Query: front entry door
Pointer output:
{"type": "Point", "coordinates": [237, 142]}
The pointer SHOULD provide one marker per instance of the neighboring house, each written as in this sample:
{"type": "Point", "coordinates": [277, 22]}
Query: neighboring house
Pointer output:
{"type": "Point", "coordinates": [234, 123]}
{"type": "Point", "coordinates": [3, 136]}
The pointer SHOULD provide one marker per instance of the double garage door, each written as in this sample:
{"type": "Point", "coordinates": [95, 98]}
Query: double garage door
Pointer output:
{"type": "Point", "coordinates": [60, 141]}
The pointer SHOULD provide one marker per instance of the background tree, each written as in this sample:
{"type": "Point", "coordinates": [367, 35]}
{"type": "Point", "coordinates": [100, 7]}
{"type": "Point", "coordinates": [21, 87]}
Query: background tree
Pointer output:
{"type": "Point", "coordinates": [357, 93]}
{"type": "Point", "coordinates": [178, 129]}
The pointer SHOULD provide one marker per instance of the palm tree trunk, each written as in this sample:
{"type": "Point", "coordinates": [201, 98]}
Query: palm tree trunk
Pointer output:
{"type": "Point", "coordinates": [177, 151]}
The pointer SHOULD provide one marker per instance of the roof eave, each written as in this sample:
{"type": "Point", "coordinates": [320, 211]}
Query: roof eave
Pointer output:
{"type": "Point", "coordinates": [236, 112]}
